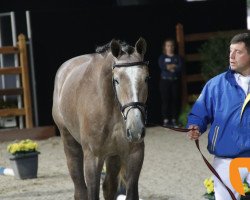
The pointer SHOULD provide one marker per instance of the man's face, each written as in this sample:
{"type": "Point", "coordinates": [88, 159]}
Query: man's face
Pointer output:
{"type": "Point", "coordinates": [239, 57]}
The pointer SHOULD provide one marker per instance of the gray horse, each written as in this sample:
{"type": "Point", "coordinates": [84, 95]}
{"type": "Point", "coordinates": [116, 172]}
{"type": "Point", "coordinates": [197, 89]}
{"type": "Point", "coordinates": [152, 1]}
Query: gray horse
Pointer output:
{"type": "Point", "coordinates": [99, 108]}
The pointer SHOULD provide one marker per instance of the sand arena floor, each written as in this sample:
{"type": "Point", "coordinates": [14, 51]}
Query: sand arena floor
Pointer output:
{"type": "Point", "coordinates": [172, 170]}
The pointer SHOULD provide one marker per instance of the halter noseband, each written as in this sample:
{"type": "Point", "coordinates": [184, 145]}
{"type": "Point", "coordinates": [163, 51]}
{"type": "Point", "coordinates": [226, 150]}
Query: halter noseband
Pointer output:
{"type": "Point", "coordinates": [139, 105]}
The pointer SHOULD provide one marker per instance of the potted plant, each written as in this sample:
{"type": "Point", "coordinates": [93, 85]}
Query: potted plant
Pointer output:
{"type": "Point", "coordinates": [24, 159]}
{"type": "Point", "coordinates": [209, 185]}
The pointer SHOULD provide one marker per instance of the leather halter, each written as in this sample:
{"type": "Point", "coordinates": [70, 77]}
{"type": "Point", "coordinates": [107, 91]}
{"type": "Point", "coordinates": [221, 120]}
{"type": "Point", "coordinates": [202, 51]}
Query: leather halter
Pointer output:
{"type": "Point", "coordinates": [131, 105]}
{"type": "Point", "coordinates": [131, 64]}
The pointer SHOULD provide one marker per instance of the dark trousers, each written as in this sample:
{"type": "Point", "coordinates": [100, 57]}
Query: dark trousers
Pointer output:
{"type": "Point", "coordinates": [170, 97]}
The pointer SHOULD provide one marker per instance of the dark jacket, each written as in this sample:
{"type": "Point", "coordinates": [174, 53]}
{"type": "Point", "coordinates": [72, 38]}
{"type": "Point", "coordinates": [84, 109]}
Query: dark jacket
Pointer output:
{"type": "Point", "coordinates": [164, 60]}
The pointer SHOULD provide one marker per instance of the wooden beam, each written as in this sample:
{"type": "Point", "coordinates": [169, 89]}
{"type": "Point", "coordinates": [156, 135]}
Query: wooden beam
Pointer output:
{"type": "Point", "coordinates": [195, 78]}
{"type": "Point", "coordinates": [205, 36]}
{"type": "Point", "coordinates": [9, 50]}
{"type": "Point", "coordinates": [11, 112]}
{"type": "Point", "coordinates": [181, 51]}
{"type": "Point", "coordinates": [25, 81]}
{"type": "Point", "coordinates": [12, 91]}
{"type": "Point", "coordinates": [193, 57]}
{"type": "Point", "coordinates": [10, 70]}
{"type": "Point", "coordinates": [180, 39]}
{"type": "Point", "coordinates": [38, 133]}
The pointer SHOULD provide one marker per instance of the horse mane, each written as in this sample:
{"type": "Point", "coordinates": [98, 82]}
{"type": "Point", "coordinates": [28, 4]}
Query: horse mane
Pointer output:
{"type": "Point", "coordinates": [126, 48]}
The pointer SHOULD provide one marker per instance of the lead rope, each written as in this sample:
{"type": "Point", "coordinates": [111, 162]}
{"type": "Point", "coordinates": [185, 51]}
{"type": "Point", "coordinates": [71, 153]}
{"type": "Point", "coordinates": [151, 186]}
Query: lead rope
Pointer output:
{"type": "Point", "coordinates": [214, 171]}
{"type": "Point", "coordinates": [210, 167]}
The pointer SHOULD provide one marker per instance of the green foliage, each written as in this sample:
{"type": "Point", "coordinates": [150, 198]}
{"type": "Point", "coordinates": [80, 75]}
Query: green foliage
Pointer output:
{"type": "Point", "coordinates": [209, 196]}
{"type": "Point", "coordinates": [184, 114]}
{"type": "Point", "coordinates": [215, 56]}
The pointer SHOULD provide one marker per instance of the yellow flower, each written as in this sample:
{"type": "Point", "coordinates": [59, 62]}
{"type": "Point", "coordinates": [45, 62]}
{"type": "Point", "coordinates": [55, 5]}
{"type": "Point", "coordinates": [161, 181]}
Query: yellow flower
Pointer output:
{"type": "Point", "coordinates": [210, 189]}
{"type": "Point", "coordinates": [14, 148]}
{"type": "Point", "coordinates": [30, 146]}
{"type": "Point", "coordinates": [246, 188]}
{"type": "Point", "coordinates": [23, 145]}
{"type": "Point", "coordinates": [209, 184]}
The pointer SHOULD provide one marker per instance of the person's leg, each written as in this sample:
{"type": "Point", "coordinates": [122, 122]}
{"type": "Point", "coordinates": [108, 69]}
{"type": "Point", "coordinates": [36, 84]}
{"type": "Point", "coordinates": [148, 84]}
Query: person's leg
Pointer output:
{"type": "Point", "coordinates": [175, 101]}
{"type": "Point", "coordinates": [164, 89]}
{"type": "Point", "coordinates": [221, 165]}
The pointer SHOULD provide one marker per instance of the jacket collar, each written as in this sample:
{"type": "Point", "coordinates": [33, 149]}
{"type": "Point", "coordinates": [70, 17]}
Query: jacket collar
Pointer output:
{"type": "Point", "coordinates": [230, 77]}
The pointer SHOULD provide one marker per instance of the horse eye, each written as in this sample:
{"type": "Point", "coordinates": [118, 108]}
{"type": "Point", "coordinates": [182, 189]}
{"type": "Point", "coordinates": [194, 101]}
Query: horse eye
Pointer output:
{"type": "Point", "coordinates": [147, 79]}
{"type": "Point", "coordinates": [116, 81]}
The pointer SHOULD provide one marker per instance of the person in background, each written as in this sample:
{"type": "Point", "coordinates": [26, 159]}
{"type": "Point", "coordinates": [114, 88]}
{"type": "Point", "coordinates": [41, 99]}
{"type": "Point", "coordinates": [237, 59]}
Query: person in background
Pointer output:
{"type": "Point", "coordinates": [223, 103]}
{"type": "Point", "coordinates": [170, 65]}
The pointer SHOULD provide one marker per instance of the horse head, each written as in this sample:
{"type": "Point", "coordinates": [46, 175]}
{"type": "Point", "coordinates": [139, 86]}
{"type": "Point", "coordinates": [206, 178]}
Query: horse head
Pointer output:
{"type": "Point", "coordinates": [130, 82]}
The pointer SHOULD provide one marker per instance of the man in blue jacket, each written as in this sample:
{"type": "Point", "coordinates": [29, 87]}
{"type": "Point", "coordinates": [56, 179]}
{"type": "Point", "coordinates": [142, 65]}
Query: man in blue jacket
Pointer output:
{"type": "Point", "coordinates": [221, 105]}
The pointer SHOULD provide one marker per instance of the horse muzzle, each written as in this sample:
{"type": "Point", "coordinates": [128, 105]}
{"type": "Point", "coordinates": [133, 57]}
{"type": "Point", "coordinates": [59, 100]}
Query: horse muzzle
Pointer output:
{"type": "Point", "coordinates": [135, 136]}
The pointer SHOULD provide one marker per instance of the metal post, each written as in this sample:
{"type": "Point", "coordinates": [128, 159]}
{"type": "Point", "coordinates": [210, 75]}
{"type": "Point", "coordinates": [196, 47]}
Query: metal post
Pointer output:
{"type": "Point", "coordinates": [32, 68]}
{"type": "Point", "coordinates": [7, 14]}
{"type": "Point", "coordinates": [14, 40]}
{"type": "Point", "coordinates": [1, 59]}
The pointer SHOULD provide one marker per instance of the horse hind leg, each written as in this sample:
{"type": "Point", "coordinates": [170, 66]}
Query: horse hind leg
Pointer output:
{"type": "Point", "coordinates": [110, 184]}
{"type": "Point", "coordinates": [74, 156]}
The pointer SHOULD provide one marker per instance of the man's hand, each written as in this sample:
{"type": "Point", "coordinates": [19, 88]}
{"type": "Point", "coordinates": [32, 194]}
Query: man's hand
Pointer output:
{"type": "Point", "coordinates": [194, 132]}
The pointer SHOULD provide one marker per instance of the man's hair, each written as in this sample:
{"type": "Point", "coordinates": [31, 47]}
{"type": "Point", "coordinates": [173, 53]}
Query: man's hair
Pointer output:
{"type": "Point", "coordinates": [242, 37]}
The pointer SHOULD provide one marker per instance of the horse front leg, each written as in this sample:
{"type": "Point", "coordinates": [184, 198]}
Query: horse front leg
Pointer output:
{"type": "Point", "coordinates": [133, 168]}
{"type": "Point", "coordinates": [74, 156]}
{"type": "Point", "coordinates": [92, 171]}
{"type": "Point", "coordinates": [110, 184]}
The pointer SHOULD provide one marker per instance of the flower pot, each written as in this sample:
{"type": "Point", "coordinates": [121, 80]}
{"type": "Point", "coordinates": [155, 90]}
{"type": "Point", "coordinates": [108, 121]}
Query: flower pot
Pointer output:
{"type": "Point", "coordinates": [25, 165]}
{"type": "Point", "coordinates": [247, 197]}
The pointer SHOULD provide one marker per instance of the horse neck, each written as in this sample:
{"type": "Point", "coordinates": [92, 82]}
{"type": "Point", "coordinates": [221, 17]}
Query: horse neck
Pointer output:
{"type": "Point", "coordinates": [106, 80]}
{"type": "Point", "coordinates": [110, 103]}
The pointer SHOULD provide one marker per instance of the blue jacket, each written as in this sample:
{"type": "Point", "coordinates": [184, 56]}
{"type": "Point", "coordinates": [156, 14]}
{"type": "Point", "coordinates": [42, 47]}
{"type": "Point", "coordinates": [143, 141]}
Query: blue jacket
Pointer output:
{"type": "Point", "coordinates": [164, 60]}
{"type": "Point", "coordinates": [220, 105]}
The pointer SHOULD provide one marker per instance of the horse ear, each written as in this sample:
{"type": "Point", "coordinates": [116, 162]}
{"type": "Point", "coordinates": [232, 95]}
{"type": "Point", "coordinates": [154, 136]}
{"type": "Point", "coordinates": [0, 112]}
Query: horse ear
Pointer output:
{"type": "Point", "coordinates": [115, 48]}
{"type": "Point", "coordinates": [141, 46]}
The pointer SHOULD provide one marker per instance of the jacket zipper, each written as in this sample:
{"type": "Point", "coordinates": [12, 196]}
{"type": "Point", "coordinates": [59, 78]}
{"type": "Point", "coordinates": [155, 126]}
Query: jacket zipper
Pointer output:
{"type": "Point", "coordinates": [216, 131]}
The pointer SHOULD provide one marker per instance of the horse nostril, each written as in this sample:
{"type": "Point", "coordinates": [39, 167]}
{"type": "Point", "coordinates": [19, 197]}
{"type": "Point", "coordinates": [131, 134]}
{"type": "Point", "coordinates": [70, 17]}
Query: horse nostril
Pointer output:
{"type": "Point", "coordinates": [143, 131]}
